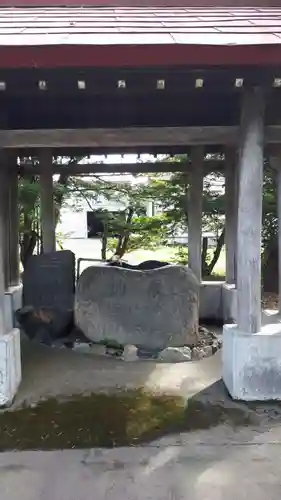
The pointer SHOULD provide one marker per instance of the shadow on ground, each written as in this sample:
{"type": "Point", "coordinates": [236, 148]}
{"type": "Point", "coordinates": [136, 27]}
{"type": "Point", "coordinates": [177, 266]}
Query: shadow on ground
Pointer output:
{"type": "Point", "coordinates": [69, 400]}
{"type": "Point", "coordinates": [121, 419]}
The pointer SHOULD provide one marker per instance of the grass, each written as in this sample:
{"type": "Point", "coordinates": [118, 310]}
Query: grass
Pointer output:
{"type": "Point", "coordinates": [86, 248]}
{"type": "Point", "coordinates": [103, 420]}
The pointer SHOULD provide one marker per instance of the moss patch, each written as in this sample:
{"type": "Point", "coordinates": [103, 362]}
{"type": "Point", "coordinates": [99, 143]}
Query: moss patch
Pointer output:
{"type": "Point", "coordinates": [103, 420]}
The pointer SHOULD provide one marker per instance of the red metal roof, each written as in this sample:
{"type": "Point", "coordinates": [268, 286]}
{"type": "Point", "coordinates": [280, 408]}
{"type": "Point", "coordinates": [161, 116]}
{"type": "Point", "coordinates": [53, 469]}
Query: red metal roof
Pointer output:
{"type": "Point", "coordinates": [142, 3]}
{"type": "Point", "coordinates": [139, 26]}
{"type": "Point", "coordinates": [52, 37]}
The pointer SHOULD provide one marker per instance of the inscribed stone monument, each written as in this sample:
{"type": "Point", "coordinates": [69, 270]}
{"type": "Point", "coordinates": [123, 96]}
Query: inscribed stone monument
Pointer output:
{"type": "Point", "coordinates": [48, 294]}
{"type": "Point", "coordinates": [153, 309]}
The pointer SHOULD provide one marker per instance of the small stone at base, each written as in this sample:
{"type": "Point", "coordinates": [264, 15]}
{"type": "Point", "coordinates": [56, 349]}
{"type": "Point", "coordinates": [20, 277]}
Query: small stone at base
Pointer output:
{"type": "Point", "coordinates": [130, 353]}
{"type": "Point", "coordinates": [98, 349]}
{"type": "Point", "coordinates": [175, 354]}
{"type": "Point", "coordinates": [207, 351]}
{"type": "Point", "coordinates": [197, 353]}
{"type": "Point", "coordinates": [82, 347]}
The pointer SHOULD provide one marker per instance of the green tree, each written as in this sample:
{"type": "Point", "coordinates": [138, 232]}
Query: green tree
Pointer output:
{"type": "Point", "coordinates": [270, 233]}
{"type": "Point", "coordinates": [29, 205]}
{"type": "Point", "coordinates": [134, 228]}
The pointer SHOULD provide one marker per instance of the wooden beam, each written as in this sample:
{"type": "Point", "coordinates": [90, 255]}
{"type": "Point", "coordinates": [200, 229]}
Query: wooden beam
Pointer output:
{"type": "Point", "coordinates": [250, 212]}
{"type": "Point", "coordinates": [128, 137]}
{"type": "Point", "coordinates": [111, 168]}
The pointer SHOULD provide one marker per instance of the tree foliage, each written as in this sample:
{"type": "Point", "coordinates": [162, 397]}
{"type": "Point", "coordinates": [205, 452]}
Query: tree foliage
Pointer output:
{"type": "Point", "coordinates": [135, 229]}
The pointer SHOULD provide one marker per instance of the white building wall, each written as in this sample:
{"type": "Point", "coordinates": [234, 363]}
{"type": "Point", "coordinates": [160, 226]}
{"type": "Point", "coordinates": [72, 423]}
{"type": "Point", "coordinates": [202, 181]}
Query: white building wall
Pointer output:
{"type": "Point", "coordinates": [73, 224]}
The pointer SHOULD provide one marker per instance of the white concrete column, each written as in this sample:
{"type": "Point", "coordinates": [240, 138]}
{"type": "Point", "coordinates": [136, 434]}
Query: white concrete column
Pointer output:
{"type": "Point", "coordinates": [10, 352]}
{"type": "Point", "coordinates": [3, 240]}
{"type": "Point", "coordinates": [195, 201]}
{"type": "Point", "coordinates": [231, 203]}
{"type": "Point", "coordinates": [47, 201]}
{"type": "Point", "coordinates": [250, 212]}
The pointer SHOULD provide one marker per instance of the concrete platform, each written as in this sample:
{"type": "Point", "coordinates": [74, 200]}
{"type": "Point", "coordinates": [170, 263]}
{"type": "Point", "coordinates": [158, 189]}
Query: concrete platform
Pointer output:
{"type": "Point", "coordinates": [12, 302]}
{"type": "Point", "coordinates": [10, 366]}
{"type": "Point", "coordinates": [54, 372]}
{"type": "Point", "coordinates": [252, 362]}
{"type": "Point", "coordinates": [229, 302]}
{"type": "Point", "coordinates": [209, 465]}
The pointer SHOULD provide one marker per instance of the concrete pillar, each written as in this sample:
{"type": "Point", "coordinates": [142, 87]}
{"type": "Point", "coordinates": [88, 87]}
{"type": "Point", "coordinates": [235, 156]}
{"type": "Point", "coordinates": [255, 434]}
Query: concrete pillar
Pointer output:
{"type": "Point", "coordinates": [5, 208]}
{"type": "Point", "coordinates": [3, 241]}
{"type": "Point", "coordinates": [10, 353]}
{"type": "Point", "coordinates": [251, 348]}
{"type": "Point", "coordinates": [47, 201]}
{"type": "Point", "coordinates": [13, 221]}
{"type": "Point", "coordinates": [195, 201]}
{"type": "Point", "coordinates": [250, 212]}
{"type": "Point", "coordinates": [231, 203]}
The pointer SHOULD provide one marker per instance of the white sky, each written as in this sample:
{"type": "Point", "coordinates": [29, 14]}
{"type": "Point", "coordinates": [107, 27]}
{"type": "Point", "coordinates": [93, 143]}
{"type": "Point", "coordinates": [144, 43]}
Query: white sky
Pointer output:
{"type": "Point", "coordinates": [217, 184]}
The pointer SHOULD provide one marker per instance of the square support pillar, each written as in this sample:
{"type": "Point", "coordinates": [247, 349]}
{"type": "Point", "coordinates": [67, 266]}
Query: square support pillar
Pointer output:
{"type": "Point", "coordinates": [10, 357]}
{"type": "Point", "coordinates": [231, 208]}
{"type": "Point", "coordinates": [251, 351]}
{"type": "Point", "coordinates": [13, 221]}
{"type": "Point", "coordinates": [229, 291]}
{"type": "Point", "coordinates": [3, 240]}
{"type": "Point", "coordinates": [250, 212]}
{"type": "Point", "coordinates": [47, 201]}
{"type": "Point", "coordinates": [275, 163]}
{"type": "Point", "coordinates": [195, 202]}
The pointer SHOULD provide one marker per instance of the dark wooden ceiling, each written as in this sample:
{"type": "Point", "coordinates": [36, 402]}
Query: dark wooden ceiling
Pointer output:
{"type": "Point", "coordinates": [100, 98]}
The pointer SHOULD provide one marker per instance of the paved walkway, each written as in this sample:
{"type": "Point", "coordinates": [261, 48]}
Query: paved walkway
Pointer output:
{"type": "Point", "coordinates": [53, 372]}
{"type": "Point", "coordinates": [209, 465]}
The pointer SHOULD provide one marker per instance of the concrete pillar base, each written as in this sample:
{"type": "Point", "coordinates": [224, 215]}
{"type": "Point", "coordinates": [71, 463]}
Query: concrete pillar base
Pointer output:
{"type": "Point", "coordinates": [210, 301]}
{"type": "Point", "coordinates": [12, 302]}
{"type": "Point", "coordinates": [10, 366]}
{"type": "Point", "coordinates": [229, 303]}
{"type": "Point", "coordinates": [252, 362]}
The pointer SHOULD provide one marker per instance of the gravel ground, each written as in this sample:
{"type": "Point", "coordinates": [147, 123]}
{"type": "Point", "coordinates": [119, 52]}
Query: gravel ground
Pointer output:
{"type": "Point", "coordinates": [270, 301]}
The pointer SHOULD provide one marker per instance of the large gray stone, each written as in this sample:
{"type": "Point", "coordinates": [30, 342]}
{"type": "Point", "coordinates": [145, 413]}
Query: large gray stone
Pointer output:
{"type": "Point", "coordinates": [156, 308]}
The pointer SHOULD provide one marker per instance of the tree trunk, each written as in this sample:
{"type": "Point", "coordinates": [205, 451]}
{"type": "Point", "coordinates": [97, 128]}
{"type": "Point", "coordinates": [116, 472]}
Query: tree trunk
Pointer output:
{"type": "Point", "coordinates": [217, 253]}
{"type": "Point", "coordinates": [59, 195]}
{"type": "Point", "coordinates": [28, 245]}
{"type": "Point", "coordinates": [204, 253]}
{"type": "Point", "coordinates": [123, 239]}
{"type": "Point", "coordinates": [104, 242]}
